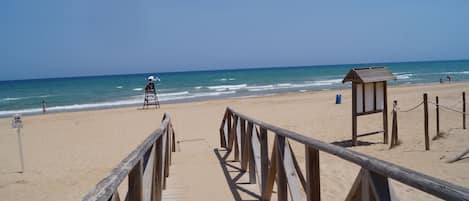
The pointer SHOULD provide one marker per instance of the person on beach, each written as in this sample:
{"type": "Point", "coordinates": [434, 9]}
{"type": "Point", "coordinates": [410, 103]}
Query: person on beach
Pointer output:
{"type": "Point", "coordinates": [441, 80]}
{"type": "Point", "coordinates": [449, 78]}
{"type": "Point", "coordinates": [43, 106]}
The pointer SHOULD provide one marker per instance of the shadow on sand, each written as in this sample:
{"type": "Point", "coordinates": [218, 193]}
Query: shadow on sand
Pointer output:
{"type": "Point", "coordinates": [230, 168]}
{"type": "Point", "coordinates": [348, 143]}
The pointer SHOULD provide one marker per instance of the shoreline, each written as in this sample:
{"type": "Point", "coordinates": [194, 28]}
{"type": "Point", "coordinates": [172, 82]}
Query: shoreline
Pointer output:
{"type": "Point", "coordinates": [132, 105]}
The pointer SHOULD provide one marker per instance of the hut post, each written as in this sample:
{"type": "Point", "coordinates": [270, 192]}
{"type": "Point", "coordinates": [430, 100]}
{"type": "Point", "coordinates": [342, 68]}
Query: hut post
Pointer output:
{"type": "Point", "coordinates": [354, 114]}
{"type": "Point", "coordinates": [385, 113]}
{"type": "Point", "coordinates": [425, 108]}
{"type": "Point", "coordinates": [464, 110]}
{"type": "Point", "coordinates": [437, 116]}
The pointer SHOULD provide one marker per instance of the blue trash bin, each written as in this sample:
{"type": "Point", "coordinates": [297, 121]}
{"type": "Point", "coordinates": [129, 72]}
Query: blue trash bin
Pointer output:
{"type": "Point", "coordinates": [338, 99]}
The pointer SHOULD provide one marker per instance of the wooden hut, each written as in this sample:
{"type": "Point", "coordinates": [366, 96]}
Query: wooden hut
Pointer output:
{"type": "Point", "coordinates": [369, 96]}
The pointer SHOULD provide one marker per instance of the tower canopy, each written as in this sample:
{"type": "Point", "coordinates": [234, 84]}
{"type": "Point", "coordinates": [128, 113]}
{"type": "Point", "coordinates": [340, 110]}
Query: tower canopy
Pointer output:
{"type": "Point", "coordinates": [369, 74]}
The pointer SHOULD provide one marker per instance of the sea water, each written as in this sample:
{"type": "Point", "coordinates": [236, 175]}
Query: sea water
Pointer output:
{"type": "Point", "coordinates": [79, 93]}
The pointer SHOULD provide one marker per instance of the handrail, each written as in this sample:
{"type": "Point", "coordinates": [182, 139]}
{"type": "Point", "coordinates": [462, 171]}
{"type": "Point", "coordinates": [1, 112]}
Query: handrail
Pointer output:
{"type": "Point", "coordinates": [147, 165]}
{"type": "Point", "coordinates": [375, 170]}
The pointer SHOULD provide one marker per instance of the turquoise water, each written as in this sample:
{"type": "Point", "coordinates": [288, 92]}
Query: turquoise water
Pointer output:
{"type": "Point", "coordinates": [65, 94]}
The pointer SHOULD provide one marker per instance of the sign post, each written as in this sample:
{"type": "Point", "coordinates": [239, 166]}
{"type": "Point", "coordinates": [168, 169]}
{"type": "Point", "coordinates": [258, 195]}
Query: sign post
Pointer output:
{"type": "Point", "coordinates": [18, 124]}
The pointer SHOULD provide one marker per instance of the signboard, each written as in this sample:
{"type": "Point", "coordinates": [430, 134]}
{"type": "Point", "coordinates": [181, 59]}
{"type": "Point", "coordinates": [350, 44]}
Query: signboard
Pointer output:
{"type": "Point", "coordinates": [17, 122]}
{"type": "Point", "coordinates": [370, 97]}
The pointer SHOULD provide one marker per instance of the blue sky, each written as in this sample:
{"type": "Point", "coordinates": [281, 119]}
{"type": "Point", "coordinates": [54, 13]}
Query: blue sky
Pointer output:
{"type": "Point", "coordinates": [60, 38]}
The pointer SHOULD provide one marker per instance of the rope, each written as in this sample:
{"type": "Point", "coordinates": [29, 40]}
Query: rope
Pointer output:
{"type": "Point", "coordinates": [411, 109]}
{"type": "Point", "coordinates": [447, 108]}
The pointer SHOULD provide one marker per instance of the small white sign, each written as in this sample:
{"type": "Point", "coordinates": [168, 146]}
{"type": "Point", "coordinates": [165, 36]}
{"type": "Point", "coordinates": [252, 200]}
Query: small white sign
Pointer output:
{"type": "Point", "coordinates": [17, 122]}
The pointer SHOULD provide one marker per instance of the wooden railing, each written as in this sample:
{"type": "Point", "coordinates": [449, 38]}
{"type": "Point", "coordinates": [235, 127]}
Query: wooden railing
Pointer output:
{"type": "Point", "coordinates": [146, 168]}
{"type": "Point", "coordinates": [248, 138]}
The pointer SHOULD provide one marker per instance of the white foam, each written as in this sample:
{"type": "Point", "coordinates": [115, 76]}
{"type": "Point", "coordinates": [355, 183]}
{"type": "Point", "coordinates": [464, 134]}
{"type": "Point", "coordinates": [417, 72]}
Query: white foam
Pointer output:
{"type": "Point", "coordinates": [227, 87]}
{"type": "Point", "coordinates": [198, 87]}
{"type": "Point", "coordinates": [137, 89]}
{"type": "Point", "coordinates": [73, 107]}
{"type": "Point", "coordinates": [174, 94]}
{"type": "Point", "coordinates": [119, 87]}
{"type": "Point", "coordinates": [403, 76]}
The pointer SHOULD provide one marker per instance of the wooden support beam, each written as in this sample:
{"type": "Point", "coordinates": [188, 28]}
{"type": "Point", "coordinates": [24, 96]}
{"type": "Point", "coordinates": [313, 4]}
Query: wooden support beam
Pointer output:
{"type": "Point", "coordinates": [157, 187]}
{"type": "Point", "coordinates": [385, 112]}
{"type": "Point", "coordinates": [437, 116]}
{"type": "Point", "coordinates": [313, 180]}
{"type": "Point", "coordinates": [425, 113]}
{"type": "Point", "coordinates": [291, 172]}
{"type": "Point", "coordinates": [281, 177]}
{"type": "Point", "coordinates": [135, 184]}
{"type": "Point", "coordinates": [264, 157]}
{"type": "Point", "coordinates": [354, 114]}
{"type": "Point", "coordinates": [269, 184]}
{"type": "Point", "coordinates": [245, 152]}
{"type": "Point", "coordinates": [250, 152]}
{"type": "Point", "coordinates": [115, 197]}
{"type": "Point", "coordinates": [464, 110]}
{"type": "Point", "coordinates": [256, 156]}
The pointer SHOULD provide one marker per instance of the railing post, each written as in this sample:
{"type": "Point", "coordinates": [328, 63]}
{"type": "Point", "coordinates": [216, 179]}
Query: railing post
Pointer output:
{"type": "Point", "coordinates": [264, 157]}
{"type": "Point", "coordinates": [281, 177]}
{"type": "Point", "coordinates": [313, 181]}
{"type": "Point", "coordinates": [156, 193]}
{"type": "Point", "coordinates": [425, 108]}
{"type": "Point", "coordinates": [252, 163]}
{"type": "Point", "coordinates": [135, 192]}
{"type": "Point", "coordinates": [244, 146]}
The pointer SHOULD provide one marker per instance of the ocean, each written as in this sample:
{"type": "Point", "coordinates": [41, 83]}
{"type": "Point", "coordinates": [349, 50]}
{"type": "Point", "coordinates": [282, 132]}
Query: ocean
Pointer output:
{"type": "Point", "coordinates": [82, 93]}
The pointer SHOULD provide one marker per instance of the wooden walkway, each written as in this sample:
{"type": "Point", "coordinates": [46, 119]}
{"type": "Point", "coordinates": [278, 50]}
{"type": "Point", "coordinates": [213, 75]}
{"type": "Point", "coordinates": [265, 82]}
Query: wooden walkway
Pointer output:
{"type": "Point", "coordinates": [197, 173]}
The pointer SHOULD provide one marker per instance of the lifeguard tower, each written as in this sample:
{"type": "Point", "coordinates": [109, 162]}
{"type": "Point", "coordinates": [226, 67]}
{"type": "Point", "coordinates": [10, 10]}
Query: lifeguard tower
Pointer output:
{"type": "Point", "coordinates": [151, 96]}
{"type": "Point", "coordinates": [369, 96]}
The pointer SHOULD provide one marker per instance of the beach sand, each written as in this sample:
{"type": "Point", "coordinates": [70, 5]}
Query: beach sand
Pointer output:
{"type": "Point", "coordinates": [66, 154]}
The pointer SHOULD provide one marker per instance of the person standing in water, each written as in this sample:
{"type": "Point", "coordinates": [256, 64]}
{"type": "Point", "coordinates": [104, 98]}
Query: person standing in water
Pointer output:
{"type": "Point", "coordinates": [449, 78]}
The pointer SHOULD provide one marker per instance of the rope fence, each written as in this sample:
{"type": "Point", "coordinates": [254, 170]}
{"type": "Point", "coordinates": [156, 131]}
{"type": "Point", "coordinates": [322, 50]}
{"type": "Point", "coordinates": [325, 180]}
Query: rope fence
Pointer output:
{"type": "Point", "coordinates": [424, 103]}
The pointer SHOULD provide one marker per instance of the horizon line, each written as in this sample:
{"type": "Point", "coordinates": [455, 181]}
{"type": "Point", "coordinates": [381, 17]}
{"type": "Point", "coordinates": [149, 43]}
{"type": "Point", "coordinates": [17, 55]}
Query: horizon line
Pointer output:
{"type": "Point", "coordinates": [230, 69]}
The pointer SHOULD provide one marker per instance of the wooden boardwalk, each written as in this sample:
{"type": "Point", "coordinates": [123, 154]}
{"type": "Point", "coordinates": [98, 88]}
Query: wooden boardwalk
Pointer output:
{"type": "Point", "coordinates": [200, 171]}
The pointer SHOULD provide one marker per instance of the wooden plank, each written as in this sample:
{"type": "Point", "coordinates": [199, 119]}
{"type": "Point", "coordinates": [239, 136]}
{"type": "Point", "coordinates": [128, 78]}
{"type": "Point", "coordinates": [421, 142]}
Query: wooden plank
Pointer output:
{"type": "Point", "coordinates": [379, 186]}
{"type": "Point", "coordinates": [238, 139]}
{"type": "Point", "coordinates": [252, 165]}
{"type": "Point", "coordinates": [269, 184]}
{"type": "Point", "coordinates": [256, 150]}
{"type": "Point", "coordinates": [264, 155]}
{"type": "Point", "coordinates": [164, 160]}
{"type": "Point", "coordinates": [245, 151]}
{"type": "Point", "coordinates": [115, 197]}
{"type": "Point", "coordinates": [290, 172]}
{"type": "Point", "coordinates": [135, 192]}
{"type": "Point", "coordinates": [298, 169]}
{"type": "Point", "coordinates": [157, 184]}
{"type": "Point", "coordinates": [365, 186]}
{"type": "Point", "coordinates": [148, 175]}
{"type": "Point", "coordinates": [355, 190]}
{"type": "Point", "coordinates": [281, 177]}
{"type": "Point", "coordinates": [313, 180]}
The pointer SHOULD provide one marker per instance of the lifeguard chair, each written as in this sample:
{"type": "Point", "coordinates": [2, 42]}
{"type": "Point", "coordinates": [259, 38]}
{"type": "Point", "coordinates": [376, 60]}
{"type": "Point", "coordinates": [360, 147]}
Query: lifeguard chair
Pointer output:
{"type": "Point", "coordinates": [151, 96]}
{"type": "Point", "coordinates": [369, 96]}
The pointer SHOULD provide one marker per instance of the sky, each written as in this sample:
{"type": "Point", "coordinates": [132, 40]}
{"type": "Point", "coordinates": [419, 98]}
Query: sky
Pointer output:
{"type": "Point", "coordinates": [62, 38]}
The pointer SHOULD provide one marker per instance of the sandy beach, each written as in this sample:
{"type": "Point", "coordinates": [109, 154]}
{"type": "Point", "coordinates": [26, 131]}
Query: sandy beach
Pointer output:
{"type": "Point", "coordinates": [66, 154]}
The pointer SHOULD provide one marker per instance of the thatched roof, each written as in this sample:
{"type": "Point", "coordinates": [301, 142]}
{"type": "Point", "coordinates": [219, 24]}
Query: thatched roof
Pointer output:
{"type": "Point", "coordinates": [370, 74]}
